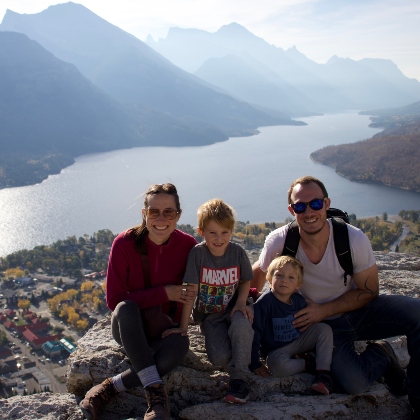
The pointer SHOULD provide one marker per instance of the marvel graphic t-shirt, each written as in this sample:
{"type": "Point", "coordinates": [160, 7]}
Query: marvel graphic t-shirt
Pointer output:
{"type": "Point", "coordinates": [217, 286]}
{"type": "Point", "coordinates": [218, 277]}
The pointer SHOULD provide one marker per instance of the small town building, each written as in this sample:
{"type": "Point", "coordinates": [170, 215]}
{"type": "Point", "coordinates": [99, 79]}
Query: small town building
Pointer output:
{"type": "Point", "coordinates": [68, 346]}
{"type": "Point", "coordinates": [52, 349]}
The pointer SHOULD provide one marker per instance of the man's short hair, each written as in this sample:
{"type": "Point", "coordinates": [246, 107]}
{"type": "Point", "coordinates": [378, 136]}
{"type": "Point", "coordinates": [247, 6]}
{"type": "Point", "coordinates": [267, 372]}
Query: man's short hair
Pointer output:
{"type": "Point", "coordinates": [218, 211]}
{"type": "Point", "coordinates": [280, 262]}
{"type": "Point", "coordinates": [306, 180]}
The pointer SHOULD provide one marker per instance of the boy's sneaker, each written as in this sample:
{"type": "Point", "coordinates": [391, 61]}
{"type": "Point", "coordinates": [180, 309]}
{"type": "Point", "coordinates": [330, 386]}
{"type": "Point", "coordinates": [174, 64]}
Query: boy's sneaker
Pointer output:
{"type": "Point", "coordinates": [237, 392]}
{"type": "Point", "coordinates": [157, 403]}
{"type": "Point", "coordinates": [95, 399]}
{"type": "Point", "coordinates": [322, 383]}
{"type": "Point", "coordinates": [395, 376]}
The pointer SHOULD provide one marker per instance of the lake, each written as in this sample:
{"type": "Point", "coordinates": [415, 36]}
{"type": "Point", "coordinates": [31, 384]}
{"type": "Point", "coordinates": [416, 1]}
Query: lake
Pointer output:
{"type": "Point", "coordinates": [104, 191]}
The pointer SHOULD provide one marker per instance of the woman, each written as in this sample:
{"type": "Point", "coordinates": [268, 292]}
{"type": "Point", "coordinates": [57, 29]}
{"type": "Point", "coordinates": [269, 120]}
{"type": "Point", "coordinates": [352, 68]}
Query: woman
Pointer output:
{"type": "Point", "coordinates": [132, 286]}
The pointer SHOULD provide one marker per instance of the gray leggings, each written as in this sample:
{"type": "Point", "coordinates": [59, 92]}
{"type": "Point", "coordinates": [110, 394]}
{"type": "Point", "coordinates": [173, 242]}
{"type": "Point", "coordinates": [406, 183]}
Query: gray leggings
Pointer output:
{"type": "Point", "coordinates": [281, 362]}
{"type": "Point", "coordinates": [143, 352]}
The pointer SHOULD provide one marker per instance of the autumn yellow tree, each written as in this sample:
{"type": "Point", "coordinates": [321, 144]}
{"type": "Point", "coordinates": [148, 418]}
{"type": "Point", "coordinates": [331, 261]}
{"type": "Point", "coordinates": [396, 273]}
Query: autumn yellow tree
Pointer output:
{"type": "Point", "coordinates": [54, 303]}
{"type": "Point", "coordinates": [73, 317]}
{"type": "Point", "coordinates": [64, 311]}
{"type": "Point", "coordinates": [97, 302]}
{"type": "Point", "coordinates": [86, 286]}
{"type": "Point", "coordinates": [82, 324]}
{"type": "Point", "coordinates": [14, 272]}
{"type": "Point", "coordinates": [24, 304]}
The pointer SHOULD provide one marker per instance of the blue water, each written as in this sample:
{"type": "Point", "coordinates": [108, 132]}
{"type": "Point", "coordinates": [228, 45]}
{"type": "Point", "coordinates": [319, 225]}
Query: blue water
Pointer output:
{"type": "Point", "coordinates": [251, 173]}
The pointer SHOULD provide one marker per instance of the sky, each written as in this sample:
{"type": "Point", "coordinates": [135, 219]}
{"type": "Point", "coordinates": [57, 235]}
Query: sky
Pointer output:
{"type": "Point", "coordinates": [320, 29]}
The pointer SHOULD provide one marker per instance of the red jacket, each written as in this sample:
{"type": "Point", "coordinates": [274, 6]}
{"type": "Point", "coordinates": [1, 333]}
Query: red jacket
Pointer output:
{"type": "Point", "coordinates": [124, 279]}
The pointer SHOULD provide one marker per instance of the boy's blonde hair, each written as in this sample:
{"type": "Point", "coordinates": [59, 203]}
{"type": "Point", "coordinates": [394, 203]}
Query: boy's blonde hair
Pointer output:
{"type": "Point", "coordinates": [218, 211]}
{"type": "Point", "coordinates": [280, 262]}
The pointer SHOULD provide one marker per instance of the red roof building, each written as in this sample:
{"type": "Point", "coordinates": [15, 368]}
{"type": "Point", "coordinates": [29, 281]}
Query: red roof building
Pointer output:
{"type": "Point", "coordinates": [10, 325]}
{"type": "Point", "coordinates": [10, 313]}
{"type": "Point", "coordinates": [37, 342]}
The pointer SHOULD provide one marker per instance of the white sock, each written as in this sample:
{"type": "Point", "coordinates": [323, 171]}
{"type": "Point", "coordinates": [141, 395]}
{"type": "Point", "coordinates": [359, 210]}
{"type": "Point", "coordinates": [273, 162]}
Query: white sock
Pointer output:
{"type": "Point", "coordinates": [149, 376]}
{"type": "Point", "coordinates": [118, 383]}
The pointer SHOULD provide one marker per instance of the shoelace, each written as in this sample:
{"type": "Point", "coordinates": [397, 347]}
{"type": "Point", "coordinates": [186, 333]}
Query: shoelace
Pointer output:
{"type": "Point", "coordinates": [105, 393]}
{"type": "Point", "coordinates": [157, 396]}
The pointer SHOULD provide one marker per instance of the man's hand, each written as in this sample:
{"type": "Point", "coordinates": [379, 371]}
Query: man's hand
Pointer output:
{"type": "Point", "coordinates": [246, 311]}
{"type": "Point", "coordinates": [262, 371]}
{"type": "Point", "coordinates": [312, 314]}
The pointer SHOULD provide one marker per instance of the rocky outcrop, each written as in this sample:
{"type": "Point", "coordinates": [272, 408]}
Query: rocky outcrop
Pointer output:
{"type": "Point", "coordinates": [196, 388]}
{"type": "Point", "coordinates": [45, 406]}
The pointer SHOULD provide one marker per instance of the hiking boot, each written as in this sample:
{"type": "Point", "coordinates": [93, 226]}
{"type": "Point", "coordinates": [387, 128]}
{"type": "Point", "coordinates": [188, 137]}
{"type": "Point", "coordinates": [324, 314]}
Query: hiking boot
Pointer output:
{"type": "Point", "coordinates": [95, 399]}
{"type": "Point", "coordinates": [395, 376]}
{"type": "Point", "coordinates": [157, 403]}
{"type": "Point", "coordinates": [415, 405]}
{"type": "Point", "coordinates": [322, 383]}
{"type": "Point", "coordinates": [237, 392]}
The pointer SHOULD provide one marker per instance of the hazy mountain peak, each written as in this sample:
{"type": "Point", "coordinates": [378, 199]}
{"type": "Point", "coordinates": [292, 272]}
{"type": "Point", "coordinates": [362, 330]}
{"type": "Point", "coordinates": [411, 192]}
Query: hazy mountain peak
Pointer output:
{"type": "Point", "coordinates": [149, 40]}
{"type": "Point", "coordinates": [234, 28]}
{"type": "Point", "coordinates": [238, 33]}
{"type": "Point", "coordinates": [336, 59]}
{"type": "Point", "coordinates": [68, 9]}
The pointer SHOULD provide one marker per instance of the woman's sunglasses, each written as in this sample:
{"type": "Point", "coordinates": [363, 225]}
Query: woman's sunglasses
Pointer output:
{"type": "Point", "coordinates": [315, 204]}
{"type": "Point", "coordinates": [168, 214]}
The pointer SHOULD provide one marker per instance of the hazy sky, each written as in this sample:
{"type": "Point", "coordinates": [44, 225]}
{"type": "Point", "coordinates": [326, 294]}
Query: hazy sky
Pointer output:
{"type": "Point", "coordinates": [356, 29]}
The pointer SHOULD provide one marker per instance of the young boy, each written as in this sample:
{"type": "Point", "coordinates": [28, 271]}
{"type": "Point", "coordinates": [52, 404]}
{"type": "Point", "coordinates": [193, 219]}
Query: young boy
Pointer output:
{"type": "Point", "coordinates": [222, 271]}
{"type": "Point", "coordinates": [279, 341]}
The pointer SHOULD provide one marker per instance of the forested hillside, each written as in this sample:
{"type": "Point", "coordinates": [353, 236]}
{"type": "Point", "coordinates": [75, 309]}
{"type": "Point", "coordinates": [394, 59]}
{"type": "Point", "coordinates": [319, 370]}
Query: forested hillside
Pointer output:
{"type": "Point", "coordinates": [391, 157]}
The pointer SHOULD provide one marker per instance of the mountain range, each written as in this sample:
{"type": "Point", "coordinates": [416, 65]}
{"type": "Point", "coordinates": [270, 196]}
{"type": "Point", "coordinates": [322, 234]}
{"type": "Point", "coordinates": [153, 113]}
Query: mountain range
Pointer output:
{"type": "Point", "coordinates": [130, 71]}
{"type": "Point", "coordinates": [251, 69]}
{"type": "Point", "coordinates": [72, 83]}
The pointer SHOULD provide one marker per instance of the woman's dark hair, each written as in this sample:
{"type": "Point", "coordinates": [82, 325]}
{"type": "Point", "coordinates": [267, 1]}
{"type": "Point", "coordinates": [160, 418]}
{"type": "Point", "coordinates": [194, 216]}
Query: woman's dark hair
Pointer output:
{"type": "Point", "coordinates": [139, 232]}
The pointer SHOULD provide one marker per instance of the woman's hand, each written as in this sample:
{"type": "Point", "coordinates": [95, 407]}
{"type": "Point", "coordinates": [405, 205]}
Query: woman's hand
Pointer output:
{"type": "Point", "coordinates": [262, 371]}
{"type": "Point", "coordinates": [183, 293]}
{"type": "Point", "coordinates": [175, 331]}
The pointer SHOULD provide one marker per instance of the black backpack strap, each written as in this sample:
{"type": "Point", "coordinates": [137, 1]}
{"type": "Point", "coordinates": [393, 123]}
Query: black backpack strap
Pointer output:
{"type": "Point", "coordinates": [291, 243]}
{"type": "Point", "coordinates": [342, 246]}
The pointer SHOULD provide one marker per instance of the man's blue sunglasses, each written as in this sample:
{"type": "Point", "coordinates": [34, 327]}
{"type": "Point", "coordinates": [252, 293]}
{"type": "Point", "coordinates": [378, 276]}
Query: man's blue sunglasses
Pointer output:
{"type": "Point", "coordinates": [315, 204]}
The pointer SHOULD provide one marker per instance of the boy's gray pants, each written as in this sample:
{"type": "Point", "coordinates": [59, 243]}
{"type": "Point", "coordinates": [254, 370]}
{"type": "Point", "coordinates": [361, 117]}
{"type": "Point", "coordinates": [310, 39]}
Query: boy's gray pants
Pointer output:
{"type": "Point", "coordinates": [229, 341]}
{"type": "Point", "coordinates": [281, 362]}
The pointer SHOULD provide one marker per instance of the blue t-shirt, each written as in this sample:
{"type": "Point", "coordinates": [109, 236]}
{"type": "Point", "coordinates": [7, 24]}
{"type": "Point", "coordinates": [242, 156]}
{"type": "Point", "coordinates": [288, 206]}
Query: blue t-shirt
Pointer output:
{"type": "Point", "coordinates": [273, 324]}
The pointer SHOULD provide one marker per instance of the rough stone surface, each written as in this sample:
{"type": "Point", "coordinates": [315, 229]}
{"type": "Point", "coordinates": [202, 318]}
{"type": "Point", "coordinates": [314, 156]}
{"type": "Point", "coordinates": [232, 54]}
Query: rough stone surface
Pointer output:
{"type": "Point", "coordinates": [45, 406]}
{"type": "Point", "coordinates": [196, 388]}
{"type": "Point", "coordinates": [397, 261]}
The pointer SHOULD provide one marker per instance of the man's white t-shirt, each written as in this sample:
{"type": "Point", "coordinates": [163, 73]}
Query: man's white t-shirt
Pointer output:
{"type": "Point", "coordinates": [322, 282]}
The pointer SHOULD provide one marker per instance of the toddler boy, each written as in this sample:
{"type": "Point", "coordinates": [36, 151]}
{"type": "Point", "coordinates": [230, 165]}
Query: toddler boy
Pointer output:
{"type": "Point", "coordinates": [279, 340]}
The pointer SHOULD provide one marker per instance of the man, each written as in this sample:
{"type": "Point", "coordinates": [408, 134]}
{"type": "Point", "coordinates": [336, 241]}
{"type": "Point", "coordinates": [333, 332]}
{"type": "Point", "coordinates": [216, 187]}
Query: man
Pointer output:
{"type": "Point", "coordinates": [354, 309]}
